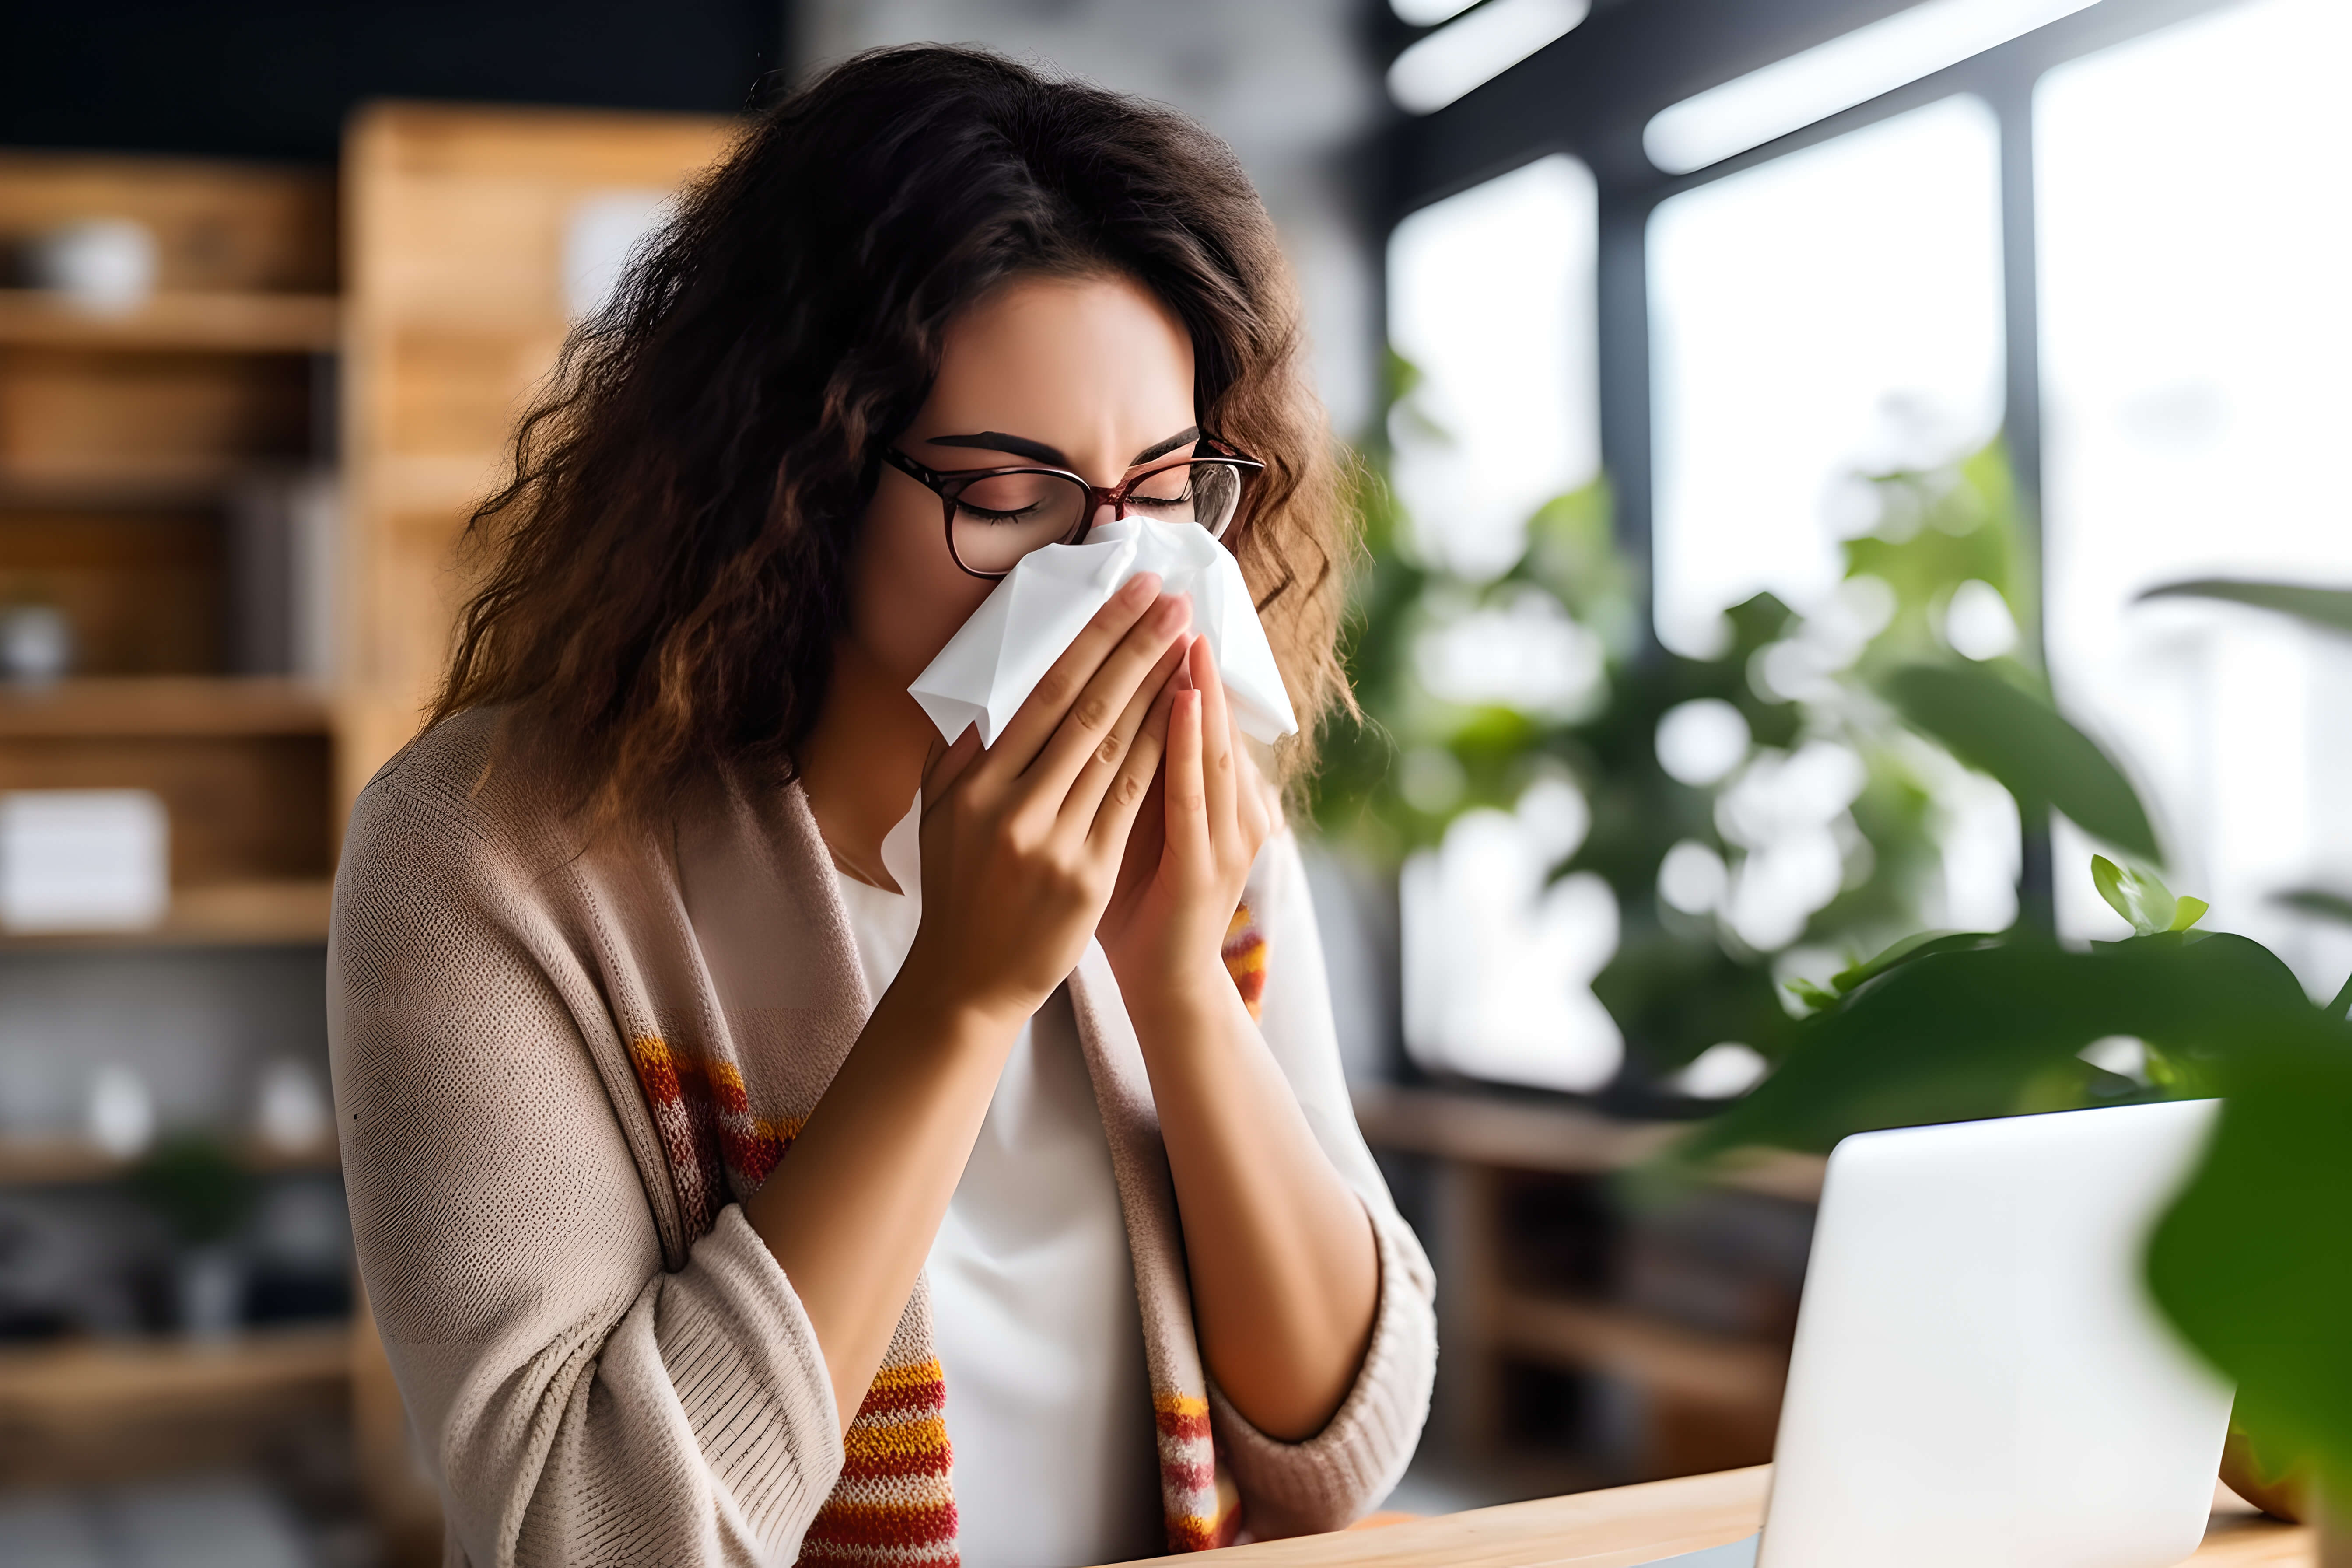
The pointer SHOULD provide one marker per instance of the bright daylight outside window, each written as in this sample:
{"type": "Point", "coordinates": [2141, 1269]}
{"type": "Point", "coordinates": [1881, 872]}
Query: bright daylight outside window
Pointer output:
{"type": "Point", "coordinates": [1832, 313]}
{"type": "Point", "coordinates": [1491, 297]}
{"type": "Point", "coordinates": [2196, 239]}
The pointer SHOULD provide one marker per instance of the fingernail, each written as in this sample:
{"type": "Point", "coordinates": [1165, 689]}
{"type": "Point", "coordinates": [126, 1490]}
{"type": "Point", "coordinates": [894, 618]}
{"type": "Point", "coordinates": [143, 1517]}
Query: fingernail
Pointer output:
{"type": "Point", "coordinates": [1173, 612]}
{"type": "Point", "coordinates": [1140, 587]}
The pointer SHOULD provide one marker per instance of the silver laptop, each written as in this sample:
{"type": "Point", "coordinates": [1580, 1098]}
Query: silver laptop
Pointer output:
{"type": "Point", "coordinates": [1979, 1376]}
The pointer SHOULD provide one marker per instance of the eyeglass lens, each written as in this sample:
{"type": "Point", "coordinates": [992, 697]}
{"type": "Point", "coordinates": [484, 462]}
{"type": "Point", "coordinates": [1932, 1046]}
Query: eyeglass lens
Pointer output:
{"type": "Point", "coordinates": [1001, 518]}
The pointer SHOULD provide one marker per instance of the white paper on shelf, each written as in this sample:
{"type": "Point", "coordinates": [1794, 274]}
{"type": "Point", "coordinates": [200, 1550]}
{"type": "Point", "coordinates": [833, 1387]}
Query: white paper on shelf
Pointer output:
{"type": "Point", "coordinates": [83, 859]}
{"type": "Point", "coordinates": [990, 666]}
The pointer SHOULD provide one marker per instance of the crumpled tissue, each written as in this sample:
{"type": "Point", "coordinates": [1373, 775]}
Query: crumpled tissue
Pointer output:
{"type": "Point", "coordinates": [990, 666]}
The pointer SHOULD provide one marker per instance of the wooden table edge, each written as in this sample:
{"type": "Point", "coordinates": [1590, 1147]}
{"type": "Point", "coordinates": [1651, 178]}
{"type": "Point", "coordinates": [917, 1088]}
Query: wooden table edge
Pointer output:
{"type": "Point", "coordinates": [1620, 1527]}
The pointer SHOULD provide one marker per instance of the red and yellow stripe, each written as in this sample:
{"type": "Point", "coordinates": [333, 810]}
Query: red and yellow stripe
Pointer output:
{"type": "Point", "coordinates": [1245, 956]}
{"type": "Point", "coordinates": [894, 1503]}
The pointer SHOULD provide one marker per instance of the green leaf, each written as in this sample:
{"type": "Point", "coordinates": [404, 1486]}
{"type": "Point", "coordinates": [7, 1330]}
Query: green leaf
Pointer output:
{"type": "Point", "coordinates": [2249, 1262]}
{"type": "Point", "coordinates": [2187, 913]}
{"type": "Point", "coordinates": [2140, 896]}
{"type": "Point", "coordinates": [2319, 902]}
{"type": "Point", "coordinates": [1964, 1031]}
{"type": "Point", "coordinates": [1811, 997]}
{"type": "Point", "coordinates": [2329, 608]}
{"type": "Point", "coordinates": [2025, 743]}
{"type": "Point", "coordinates": [1919, 944]}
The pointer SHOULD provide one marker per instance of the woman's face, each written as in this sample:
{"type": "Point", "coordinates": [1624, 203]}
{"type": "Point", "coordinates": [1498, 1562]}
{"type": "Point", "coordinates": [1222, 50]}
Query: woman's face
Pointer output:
{"type": "Point", "coordinates": [1092, 375]}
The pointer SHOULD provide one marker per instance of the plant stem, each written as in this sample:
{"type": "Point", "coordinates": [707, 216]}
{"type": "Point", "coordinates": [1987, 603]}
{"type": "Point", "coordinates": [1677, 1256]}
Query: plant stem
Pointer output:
{"type": "Point", "coordinates": [2342, 1006]}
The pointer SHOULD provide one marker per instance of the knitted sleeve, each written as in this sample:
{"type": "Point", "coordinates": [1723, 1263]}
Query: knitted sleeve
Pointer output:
{"type": "Point", "coordinates": [1343, 1472]}
{"type": "Point", "coordinates": [576, 1403]}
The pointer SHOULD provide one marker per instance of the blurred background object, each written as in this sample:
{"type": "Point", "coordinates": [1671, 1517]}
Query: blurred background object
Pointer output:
{"type": "Point", "coordinates": [1714, 369]}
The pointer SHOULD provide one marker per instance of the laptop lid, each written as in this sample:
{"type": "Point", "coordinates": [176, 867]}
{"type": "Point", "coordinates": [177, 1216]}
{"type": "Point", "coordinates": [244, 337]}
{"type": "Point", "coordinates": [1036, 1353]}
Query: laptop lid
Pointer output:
{"type": "Point", "coordinates": [1979, 1376]}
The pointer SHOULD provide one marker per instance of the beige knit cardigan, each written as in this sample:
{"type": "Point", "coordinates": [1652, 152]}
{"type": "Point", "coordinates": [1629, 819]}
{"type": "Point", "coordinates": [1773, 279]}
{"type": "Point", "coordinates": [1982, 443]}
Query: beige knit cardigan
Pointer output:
{"type": "Point", "coordinates": [558, 1070]}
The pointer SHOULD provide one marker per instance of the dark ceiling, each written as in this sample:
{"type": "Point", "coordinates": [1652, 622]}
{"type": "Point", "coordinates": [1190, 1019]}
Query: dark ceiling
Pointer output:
{"type": "Point", "coordinates": [275, 78]}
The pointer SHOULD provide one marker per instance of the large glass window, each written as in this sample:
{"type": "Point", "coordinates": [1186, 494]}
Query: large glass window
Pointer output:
{"type": "Point", "coordinates": [1491, 298]}
{"type": "Point", "coordinates": [1492, 301]}
{"type": "Point", "coordinates": [2195, 235]}
{"type": "Point", "coordinates": [1835, 311]}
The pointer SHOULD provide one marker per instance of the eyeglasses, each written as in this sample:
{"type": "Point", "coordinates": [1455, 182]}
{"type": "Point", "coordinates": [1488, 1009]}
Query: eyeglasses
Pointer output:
{"type": "Point", "coordinates": [997, 516]}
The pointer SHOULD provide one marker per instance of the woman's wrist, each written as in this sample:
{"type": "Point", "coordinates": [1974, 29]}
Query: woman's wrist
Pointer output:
{"type": "Point", "coordinates": [1183, 992]}
{"type": "Point", "coordinates": [936, 1006]}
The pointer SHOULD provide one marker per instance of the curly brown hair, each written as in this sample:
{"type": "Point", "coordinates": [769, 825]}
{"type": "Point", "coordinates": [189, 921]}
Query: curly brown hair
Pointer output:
{"type": "Point", "coordinates": [663, 580]}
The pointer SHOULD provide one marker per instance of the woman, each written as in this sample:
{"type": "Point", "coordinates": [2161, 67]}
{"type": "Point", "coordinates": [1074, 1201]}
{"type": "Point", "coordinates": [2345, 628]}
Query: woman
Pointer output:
{"type": "Point", "coordinates": [1076, 1254]}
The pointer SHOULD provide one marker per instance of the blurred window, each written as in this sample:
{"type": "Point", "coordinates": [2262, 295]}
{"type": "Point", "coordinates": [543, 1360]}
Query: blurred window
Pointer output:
{"type": "Point", "coordinates": [1433, 72]}
{"type": "Point", "coordinates": [1833, 311]}
{"type": "Point", "coordinates": [1852, 68]}
{"type": "Point", "coordinates": [2196, 237]}
{"type": "Point", "coordinates": [1491, 299]}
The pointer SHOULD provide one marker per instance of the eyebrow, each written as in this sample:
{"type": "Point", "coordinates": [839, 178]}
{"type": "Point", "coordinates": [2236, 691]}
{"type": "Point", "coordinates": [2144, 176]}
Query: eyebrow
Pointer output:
{"type": "Point", "coordinates": [1038, 452]}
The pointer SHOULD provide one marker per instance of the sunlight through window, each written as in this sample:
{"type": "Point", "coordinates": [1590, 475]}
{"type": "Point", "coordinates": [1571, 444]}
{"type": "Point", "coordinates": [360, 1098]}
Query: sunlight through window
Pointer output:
{"type": "Point", "coordinates": [1835, 311]}
{"type": "Point", "coordinates": [2195, 235]}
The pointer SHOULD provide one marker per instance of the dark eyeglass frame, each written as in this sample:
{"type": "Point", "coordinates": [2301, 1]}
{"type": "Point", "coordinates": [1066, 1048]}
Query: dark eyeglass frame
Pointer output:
{"type": "Point", "coordinates": [951, 484]}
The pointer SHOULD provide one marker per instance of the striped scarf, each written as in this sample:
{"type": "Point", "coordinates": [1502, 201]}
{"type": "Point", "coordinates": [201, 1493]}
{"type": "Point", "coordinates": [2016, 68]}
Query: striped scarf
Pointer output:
{"type": "Point", "coordinates": [895, 1501]}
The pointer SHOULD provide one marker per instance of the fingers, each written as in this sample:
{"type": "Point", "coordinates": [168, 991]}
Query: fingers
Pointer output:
{"type": "Point", "coordinates": [1105, 763]}
{"type": "Point", "coordinates": [1187, 816]}
{"type": "Point", "coordinates": [1219, 785]}
{"type": "Point", "coordinates": [1089, 730]}
{"type": "Point", "coordinates": [1035, 724]}
{"type": "Point", "coordinates": [1257, 805]}
{"type": "Point", "coordinates": [1129, 790]}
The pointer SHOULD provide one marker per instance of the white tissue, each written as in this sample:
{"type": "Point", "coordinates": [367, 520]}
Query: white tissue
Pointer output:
{"type": "Point", "coordinates": [991, 664]}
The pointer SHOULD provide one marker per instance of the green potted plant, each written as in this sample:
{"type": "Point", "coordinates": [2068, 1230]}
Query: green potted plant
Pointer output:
{"type": "Point", "coordinates": [2251, 1262]}
{"type": "Point", "coordinates": [204, 1194]}
{"type": "Point", "coordinates": [1681, 979]}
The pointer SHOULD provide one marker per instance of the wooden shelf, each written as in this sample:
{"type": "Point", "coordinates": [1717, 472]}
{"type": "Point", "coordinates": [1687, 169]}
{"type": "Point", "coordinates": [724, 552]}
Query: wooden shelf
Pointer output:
{"type": "Point", "coordinates": [218, 322]}
{"type": "Point", "coordinates": [215, 914]}
{"type": "Point", "coordinates": [80, 1384]}
{"type": "Point", "coordinates": [146, 707]}
{"type": "Point", "coordinates": [62, 1160]}
{"type": "Point", "coordinates": [77, 483]}
{"type": "Point", "coordinates": [1654, 1354]}
{"type": "Point", "coordinates": [1522, 1135]}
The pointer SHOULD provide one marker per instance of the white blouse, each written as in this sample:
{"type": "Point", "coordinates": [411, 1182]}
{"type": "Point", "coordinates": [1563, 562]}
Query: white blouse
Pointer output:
{"type": "Point", "coordinates": [1033, 1292]}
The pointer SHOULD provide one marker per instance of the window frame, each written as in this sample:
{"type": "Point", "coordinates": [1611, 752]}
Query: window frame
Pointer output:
{"type": "Point", "coordinates": [1590, 95]}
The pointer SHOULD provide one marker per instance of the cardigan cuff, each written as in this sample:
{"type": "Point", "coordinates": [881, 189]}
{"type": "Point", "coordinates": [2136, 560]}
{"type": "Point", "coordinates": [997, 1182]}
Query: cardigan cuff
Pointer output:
{"type": "Point", "coordinates": [750, 1377]}
{"type": "Point", "coordinates": [1343, 1472]}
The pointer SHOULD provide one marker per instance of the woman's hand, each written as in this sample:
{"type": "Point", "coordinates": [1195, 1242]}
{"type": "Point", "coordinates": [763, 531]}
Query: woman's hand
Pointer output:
{"type": "Point", "coordinates": [1164, 928]}
{"type": "Point", "coordinates": [1023, 841]}
{"type": "Point", "coordinates": [1284, 1270]}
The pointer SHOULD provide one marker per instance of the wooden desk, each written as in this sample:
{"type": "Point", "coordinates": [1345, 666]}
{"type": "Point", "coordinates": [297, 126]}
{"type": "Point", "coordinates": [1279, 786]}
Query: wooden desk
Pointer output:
{"type": "Point", "coordinates": [1631, 1525]}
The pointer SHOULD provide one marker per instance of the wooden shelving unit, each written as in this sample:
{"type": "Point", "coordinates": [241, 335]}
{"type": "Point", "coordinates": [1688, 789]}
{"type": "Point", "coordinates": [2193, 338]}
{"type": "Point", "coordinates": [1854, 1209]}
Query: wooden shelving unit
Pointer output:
{"type": "Point", "coordinates": [148, 707]}
{"type": "Point", "coordinates": [60, 1161]}
{"type": "Point", "coordinates": [1686, 1363]}
{"type": "Point", "coordinates": [455, 219]}
{"type": "Point", "coordinates": [98, 1410]}
{"type": "Point", "coordinates": [103, 482]}
{"type": "Point", "coordinates": [245, 322]}
{"type": "Point", "coordinates": [220, 914]}
{"type": "Point", "coordinates": [1558, 1138]}
{"type": "Point", "coordinates": [1709, 1396]}
{"type": "Point", "coordinates": [122, 438]}
{"type": "Point", "coordinates": [126, 442]}
{"type": "Point", "coordinates": [92, 1383]}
